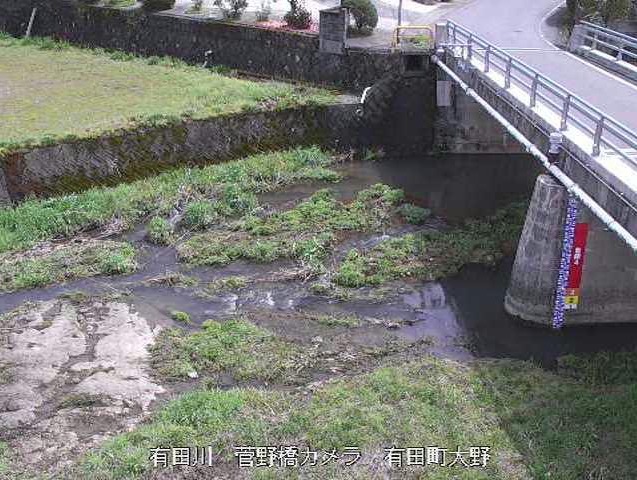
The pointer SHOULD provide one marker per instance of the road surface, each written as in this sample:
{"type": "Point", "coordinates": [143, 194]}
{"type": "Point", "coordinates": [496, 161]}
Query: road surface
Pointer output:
{"type": "Point", "coordinates": [519, 27]}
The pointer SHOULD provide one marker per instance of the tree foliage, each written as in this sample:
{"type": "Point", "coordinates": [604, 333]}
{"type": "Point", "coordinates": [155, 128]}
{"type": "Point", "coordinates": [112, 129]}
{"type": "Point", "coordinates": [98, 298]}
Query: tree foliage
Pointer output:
{"type": "Point", "coordinates": [298, 16]}
{"type": "Point", "coordinates": [232, 9]}
{"type": "Point", "coordinates": [599, 11]}
{"type": "Point", "coordinates": [364, 13]}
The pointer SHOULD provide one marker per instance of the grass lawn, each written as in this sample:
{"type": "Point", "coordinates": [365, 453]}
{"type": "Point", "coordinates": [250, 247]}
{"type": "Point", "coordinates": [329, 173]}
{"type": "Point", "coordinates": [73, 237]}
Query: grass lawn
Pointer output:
{"type": "Point", "coordinates": [538, 424]}
{"type": "Point", "coordinates": [51, 90]}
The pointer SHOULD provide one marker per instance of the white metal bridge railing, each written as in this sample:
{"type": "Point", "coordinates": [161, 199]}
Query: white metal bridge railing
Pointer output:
{"type": "Point", "coordinates": [623, 47]}
{"type": "Point", "coordinates": [606, 134]}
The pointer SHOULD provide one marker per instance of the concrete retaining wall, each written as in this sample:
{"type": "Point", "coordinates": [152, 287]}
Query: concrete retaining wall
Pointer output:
{"type": "Point", "coordinates": [465, 127]}
{"type": "Point", "coordinates": [76, 165]}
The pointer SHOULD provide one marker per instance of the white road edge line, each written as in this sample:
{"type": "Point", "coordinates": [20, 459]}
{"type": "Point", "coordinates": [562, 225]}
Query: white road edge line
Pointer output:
{"type": "Point", "coordinates": [579, 59]}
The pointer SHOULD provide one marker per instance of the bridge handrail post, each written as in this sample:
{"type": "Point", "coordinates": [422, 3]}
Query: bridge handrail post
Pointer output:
{"type": "Point", "coordinates": [507, 73]}
{"type": "Point", "coordinates": [487, 59]}
{"type": "Point", "coordinates": [597, 137]}
{"type": "Point", "coordinates": [533, 94]}
{"type": "Point", "coordinates": [565, 108]}
{"type": "Point", "coordinates": [469, 48]}
{"type": "Point", "coordinates": [620, 51]}
{"type": "Point", "coordinates": [594, 40]}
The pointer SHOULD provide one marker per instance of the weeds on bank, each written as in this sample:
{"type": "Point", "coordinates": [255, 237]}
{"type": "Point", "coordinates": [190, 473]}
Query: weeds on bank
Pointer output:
{"type": "Point", "coordinates": [4, 458]}
{"type": "Point", "coordinates": [55, 264]}
{"type": "Point", "coordinates": [234, 183]}
{"type": "Point", "coordinates": [429, 402]}
{"type": "Point", "coordinates": [538, 424]}
{"type": "Point", "coordinates": [563, 425]}
{"type": "Point", "coordinates": [214, 417]}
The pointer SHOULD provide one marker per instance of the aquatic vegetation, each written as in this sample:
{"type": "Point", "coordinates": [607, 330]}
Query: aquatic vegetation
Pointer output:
{"type": "Point", "coordinates": [199, 215]}
{"type": "Point", "coordinates": [223, 285]}
{"type": "Point", "coordinates": [306, 232]}
{"type": "Point", "coordinates": [335, 319]}
{"type": "Point", "coordinates": [159, 231]}
{"type": "Point", "coordinates": [414, 214]}
{"type": "Point", "coordinates": [433, 254]}
{"type": "Point", "coordinates": [179, 316]}
{"type": "Point", "coordinates": [49, 264]}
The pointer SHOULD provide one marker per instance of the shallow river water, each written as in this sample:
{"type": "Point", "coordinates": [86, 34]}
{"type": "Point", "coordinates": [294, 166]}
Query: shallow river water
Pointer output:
{"type": "Point", "coordinates": [463, 316]}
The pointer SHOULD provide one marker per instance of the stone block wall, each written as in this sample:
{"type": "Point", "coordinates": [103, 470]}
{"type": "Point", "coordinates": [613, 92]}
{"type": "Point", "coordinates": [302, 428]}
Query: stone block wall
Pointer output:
{"type": "Point", "coordinates": [255, 50]}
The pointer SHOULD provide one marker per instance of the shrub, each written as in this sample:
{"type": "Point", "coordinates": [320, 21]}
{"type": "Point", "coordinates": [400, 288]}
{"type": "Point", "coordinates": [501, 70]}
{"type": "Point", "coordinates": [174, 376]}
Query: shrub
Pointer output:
{"type": "Point", "coordinates": [298, 16]}
{"type": "Point", "coordinates": [231, 9]}
{"type": "Point", "coordinates": [158, 5]}
{"type": "Point", "coordinates": [598, 11]}
{"type": "Point", "coordinates": [364, 13]}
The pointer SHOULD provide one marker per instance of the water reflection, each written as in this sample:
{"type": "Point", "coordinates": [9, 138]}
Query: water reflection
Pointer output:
{"type": "Point", "coordinates": [478, 296]}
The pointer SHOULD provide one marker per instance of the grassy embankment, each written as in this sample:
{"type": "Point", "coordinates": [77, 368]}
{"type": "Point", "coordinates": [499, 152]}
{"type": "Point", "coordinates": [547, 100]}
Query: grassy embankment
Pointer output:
{"type": "Point", "coordinates": [579, 422]}
{"type": "Point", "coordinates": [52, 91]}
{"type": "Point", "coordinates": [234, 184]}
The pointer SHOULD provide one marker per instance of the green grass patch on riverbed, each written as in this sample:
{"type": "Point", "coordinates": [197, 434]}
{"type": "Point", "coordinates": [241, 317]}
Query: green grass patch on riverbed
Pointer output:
{"type": "Point", "coordinates": [36, 220]}
{"type": "Point", "coordinates": [538, 424]}
{"type": "Point", "coordinates": [306, 232]}
{"type": "Point", "coordinates": [434, 254]}
{"type": "Point", "coordinates": [236, 347]}
{"type": "Point", "coordinates": [53, 91]}
{"type": "Point", "coordinates": [4, 458]}
{"type": "Point", "coordinates": [49, 264]}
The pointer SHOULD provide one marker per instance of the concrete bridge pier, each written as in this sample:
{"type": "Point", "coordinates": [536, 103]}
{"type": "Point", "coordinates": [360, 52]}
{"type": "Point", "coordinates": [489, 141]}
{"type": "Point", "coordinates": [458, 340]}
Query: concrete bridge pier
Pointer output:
{"type": "Point", "coordinates": [608, 287]}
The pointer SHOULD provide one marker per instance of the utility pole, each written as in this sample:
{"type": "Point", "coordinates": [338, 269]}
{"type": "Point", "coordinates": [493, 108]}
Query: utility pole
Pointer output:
{"type": "Point", "coordinates": [400, 12]}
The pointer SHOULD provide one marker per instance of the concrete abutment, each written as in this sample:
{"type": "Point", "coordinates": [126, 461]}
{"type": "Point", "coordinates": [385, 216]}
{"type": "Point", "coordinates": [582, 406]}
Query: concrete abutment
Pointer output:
{"type": "Point", "coordinates": [608, 290]}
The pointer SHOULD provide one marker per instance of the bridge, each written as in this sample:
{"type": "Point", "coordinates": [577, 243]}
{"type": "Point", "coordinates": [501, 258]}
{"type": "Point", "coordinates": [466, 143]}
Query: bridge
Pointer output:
{"type": "Point", "coordinates": [587, 207]}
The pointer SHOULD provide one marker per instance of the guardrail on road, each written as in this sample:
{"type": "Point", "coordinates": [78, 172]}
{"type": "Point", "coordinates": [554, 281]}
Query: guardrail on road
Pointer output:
{"type": "Point", "coordinates": [612, 50]}
{"type": "Point", "coordinates": [605, 133]}
{"type": "Point", "coordinates": [623, 47]}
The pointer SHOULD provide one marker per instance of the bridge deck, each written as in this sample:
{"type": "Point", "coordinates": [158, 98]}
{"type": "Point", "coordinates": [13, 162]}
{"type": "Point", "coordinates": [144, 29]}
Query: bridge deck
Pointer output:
{"type": "Point", "coordinates": [610, 161]}
{"type": "Point", "coordinates": [518, 27]}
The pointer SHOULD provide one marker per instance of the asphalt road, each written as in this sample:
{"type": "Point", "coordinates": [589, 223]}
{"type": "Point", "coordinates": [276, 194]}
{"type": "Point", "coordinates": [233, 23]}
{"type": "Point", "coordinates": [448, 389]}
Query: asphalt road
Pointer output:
{"type": "Point", "coordinates": [519, 27]}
